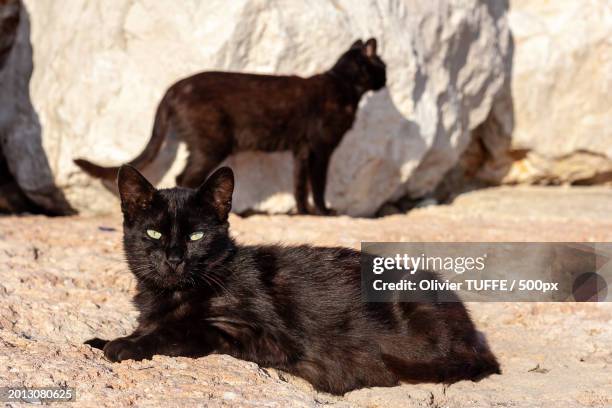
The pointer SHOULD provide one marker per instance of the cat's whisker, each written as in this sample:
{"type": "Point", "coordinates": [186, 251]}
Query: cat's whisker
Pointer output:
{"type": "Point", "coordinates": [218, 282]}
{"type": "Point", "coordinates": [210, 282]}
{"type": "Point", "coordinates": [211, 277]}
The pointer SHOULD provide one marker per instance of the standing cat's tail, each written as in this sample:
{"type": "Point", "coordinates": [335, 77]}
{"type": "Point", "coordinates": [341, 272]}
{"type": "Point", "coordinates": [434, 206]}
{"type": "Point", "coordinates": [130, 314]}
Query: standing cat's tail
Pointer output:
{"type": "Point", "coordinates": [160, 130]}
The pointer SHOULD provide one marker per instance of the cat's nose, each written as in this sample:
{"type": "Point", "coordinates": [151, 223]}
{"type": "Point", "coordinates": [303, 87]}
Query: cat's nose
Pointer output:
{"type": "Point", "coordinates": [174, 262]}
{"type": "Point", "coordinates": [174, 257]}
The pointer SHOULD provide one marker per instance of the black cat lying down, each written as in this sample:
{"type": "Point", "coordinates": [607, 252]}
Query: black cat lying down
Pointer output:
{"type": "Point", "coordinates": [298, 309]}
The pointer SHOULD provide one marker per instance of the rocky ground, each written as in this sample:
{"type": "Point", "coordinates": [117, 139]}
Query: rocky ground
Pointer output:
{"type": "Point", "coordinates": [64, 281]}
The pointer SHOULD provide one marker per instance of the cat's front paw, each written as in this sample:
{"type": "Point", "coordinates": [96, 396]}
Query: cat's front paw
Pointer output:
{"type": "Point", "coordinates": [97, 343]}
{"type": "Point", "coordinates": [122, 349]}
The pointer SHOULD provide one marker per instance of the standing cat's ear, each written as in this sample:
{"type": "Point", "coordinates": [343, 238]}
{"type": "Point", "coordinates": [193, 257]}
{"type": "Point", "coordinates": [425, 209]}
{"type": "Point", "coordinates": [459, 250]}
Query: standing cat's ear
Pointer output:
{"type": "Point", "coordinates": [217, 191]}
{"type": "Point", "coordinates": [370, 47]}
{"type": "Point", "coordinates": [357, 44]}
{"type": "Point", "coordinates": [135, 191]}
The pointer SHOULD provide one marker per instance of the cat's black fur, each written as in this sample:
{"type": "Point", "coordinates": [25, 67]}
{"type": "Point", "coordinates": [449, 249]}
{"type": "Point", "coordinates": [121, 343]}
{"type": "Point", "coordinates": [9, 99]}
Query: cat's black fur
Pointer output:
{"type": "Point", "coordinates": [298, 309]}
{"type": "Point", "coordinates": [219, 113]}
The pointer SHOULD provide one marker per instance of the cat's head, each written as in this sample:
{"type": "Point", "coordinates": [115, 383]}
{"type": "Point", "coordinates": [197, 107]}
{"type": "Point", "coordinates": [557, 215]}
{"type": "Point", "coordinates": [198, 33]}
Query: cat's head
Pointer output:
{"type": "Point", "coordinates": [362, 65]}
{"type": "Point", "coordinates": [174, 237]}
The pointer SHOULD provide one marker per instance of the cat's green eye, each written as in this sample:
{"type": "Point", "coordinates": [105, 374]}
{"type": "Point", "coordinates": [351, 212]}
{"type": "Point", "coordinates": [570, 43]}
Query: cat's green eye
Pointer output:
{"type": "Point", "coordinates": [195, 236]}
{"type": "Point", "coordinates": [153, 234]}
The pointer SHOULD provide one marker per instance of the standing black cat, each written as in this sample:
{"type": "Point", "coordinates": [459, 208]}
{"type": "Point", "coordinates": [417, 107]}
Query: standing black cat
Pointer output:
{"type": "Point", "coordinates": [298, 309]}
{"type": "Point", "coordinates": [220, 113]}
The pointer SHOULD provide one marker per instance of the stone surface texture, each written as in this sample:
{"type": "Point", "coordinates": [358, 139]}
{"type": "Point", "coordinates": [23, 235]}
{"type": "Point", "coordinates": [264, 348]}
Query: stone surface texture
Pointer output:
{"type": "Point", "coordinates": [561, 86]}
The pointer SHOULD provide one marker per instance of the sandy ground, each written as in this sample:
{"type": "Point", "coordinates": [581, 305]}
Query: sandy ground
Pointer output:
{"type": "Point", "coordinates": [64, 281]}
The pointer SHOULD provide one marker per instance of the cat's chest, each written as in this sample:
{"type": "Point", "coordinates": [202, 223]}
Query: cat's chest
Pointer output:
{"type": "Point", "coordinates": [339, 116]}
{"type": "Point", "coordinates": [183, 310]}
{"type": "Point", "coordinates": [196, 307]}
{"type": "Point", "coordinates": [175, 307]}
{"type": "Point", "coordinates": [198, 311]}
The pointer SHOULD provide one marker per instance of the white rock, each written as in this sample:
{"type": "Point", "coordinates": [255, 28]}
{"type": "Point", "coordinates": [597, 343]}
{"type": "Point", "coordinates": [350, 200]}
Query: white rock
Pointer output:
{"type": "Point", "coordinates": [561, 87]}
{"type": "Point", "coordinates": [102, 67]}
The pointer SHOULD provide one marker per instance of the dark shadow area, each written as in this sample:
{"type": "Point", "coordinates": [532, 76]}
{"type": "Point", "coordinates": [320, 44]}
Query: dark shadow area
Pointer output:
{"type": "Point", "coordinates": [26, 180]}
{"type": "Point", "coordinates": [12, 198]}
{"type": "Point", "coordinates": [487, 158]}
{"type": "Point", "coordinates": [9, 21]}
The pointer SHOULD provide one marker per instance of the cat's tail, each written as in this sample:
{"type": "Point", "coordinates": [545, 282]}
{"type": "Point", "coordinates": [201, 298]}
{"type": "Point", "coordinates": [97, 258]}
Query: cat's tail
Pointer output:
{"type": "Point", "coordinates": [160, 131]}
{"type": "Point", "coordinates": [473, 366]}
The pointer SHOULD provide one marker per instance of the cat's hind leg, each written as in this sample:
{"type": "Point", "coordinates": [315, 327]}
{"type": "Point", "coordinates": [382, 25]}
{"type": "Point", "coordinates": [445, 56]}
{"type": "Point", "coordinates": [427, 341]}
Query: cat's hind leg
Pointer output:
{"type": "Point", "coordinates": [448, 370]}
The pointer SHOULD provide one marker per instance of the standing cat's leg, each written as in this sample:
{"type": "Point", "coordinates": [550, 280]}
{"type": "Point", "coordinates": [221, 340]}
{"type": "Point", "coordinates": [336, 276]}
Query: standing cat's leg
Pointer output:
{"type": "Point", "coordinates": [300, 181]}
{"type": "Point", "coordinates": [318, 164]}
{"type": "Point", "coordinates": [209, 140]}
{"type": "Point", "coordinates": [198, 167]}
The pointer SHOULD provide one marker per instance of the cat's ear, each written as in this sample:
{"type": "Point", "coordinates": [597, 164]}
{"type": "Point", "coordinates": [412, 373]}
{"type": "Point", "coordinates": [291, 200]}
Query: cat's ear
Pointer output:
{"type": "Point", "coordinates": [370, 48]}
{"type": "Point", "coordinates": [217, 191]}
{"type": "Point", "coordinates": [357, 45]}
{"type": "Point", "coordinates": [135, 191]}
